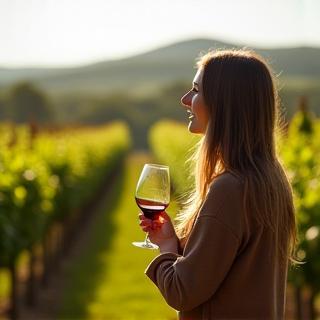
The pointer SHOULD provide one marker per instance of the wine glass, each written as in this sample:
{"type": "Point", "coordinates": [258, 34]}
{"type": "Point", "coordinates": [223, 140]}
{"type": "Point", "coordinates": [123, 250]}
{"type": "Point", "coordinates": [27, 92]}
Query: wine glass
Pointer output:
{"type": "Point", "coordinates": [152, 195]}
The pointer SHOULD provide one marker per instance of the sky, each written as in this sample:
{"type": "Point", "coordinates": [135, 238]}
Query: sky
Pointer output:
{"type": "Point", "coordinates": [59, 33]}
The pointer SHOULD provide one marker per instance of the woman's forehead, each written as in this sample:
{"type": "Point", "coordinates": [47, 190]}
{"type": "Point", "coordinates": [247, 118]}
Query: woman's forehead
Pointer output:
{"type": "Point", "coordinates": [198, 76]}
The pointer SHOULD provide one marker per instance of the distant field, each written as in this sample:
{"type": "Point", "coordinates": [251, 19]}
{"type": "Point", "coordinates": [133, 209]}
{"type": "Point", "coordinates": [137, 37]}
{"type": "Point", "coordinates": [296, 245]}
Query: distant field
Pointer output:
{"type": "Point", "coordinates": [300, 83]}
{"type": "Point", "coordinates": [292, 88]}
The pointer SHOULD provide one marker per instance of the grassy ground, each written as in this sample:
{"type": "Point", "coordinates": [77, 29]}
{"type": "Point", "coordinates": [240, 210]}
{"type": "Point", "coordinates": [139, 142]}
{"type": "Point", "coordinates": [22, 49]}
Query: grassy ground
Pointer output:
{"type": "Point", "coordinates": [4, 283]}
{"type": "Point", "coordinates": [107, 280]}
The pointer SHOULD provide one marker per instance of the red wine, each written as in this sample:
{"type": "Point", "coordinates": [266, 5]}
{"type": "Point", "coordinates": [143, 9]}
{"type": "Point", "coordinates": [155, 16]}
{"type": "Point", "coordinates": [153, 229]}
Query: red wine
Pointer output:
{"type": "Point", "coordinates": [151, 209]}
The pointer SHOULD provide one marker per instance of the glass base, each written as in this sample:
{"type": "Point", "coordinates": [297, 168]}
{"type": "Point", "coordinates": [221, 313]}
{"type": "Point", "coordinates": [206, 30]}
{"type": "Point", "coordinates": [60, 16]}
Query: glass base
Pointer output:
{"type": "Point", "coordinates": [145, 245]}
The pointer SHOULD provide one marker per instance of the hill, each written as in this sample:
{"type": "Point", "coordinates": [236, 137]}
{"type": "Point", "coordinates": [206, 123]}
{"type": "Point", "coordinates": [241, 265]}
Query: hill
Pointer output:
{"type": "Point", "coordinates": [145, 72]}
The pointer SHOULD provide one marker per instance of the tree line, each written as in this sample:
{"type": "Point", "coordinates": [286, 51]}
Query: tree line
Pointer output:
{"type": "Point", "coordinates": [25, 102]}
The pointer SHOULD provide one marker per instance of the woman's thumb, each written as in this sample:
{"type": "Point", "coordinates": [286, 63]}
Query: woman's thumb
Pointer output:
{"type": "Point", "coordinates": [165, 216]}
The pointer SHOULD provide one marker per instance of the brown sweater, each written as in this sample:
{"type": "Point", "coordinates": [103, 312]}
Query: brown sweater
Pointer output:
{"type": "Point", "coordinates": [228, 268]}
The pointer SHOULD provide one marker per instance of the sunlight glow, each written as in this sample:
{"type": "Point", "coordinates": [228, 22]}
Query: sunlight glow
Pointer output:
{"type": "Point", "coordinates": [68, 32]}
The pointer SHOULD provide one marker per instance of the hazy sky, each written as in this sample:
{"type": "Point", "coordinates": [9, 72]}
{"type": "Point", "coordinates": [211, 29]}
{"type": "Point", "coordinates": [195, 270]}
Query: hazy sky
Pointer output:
{"type": "Point", "coordinates": [74, 32]}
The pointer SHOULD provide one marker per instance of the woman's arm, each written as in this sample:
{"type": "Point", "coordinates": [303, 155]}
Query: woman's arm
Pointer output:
{"type": "Point", "coordinates": [187, 281]}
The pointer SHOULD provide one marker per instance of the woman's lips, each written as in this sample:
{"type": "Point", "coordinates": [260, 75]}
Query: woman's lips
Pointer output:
{"type": "Point", "coordinates": [191, 115]}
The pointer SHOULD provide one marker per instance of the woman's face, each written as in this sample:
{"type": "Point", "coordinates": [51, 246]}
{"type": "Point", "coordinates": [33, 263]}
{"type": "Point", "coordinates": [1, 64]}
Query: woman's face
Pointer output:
{"type": "Point", "coordinates": [193, 101]}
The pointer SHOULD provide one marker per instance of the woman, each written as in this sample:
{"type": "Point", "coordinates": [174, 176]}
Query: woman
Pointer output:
{"type": "Point", "coordinates": [228, 256]}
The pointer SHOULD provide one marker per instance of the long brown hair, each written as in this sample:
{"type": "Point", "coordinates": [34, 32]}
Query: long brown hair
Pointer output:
{"type": "Point", "coordinates": [244, 119]}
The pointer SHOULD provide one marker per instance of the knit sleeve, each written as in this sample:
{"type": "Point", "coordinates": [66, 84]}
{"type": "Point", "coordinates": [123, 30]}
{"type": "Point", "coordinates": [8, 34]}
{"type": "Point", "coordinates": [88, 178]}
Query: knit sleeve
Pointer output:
{"type": "Point", "coordinates": [188, 280]}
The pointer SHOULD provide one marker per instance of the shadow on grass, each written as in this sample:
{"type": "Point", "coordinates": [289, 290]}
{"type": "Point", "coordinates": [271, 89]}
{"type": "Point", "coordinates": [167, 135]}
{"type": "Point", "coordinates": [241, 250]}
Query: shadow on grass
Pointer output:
{"type": "Point", "coordinates": [84, 273]}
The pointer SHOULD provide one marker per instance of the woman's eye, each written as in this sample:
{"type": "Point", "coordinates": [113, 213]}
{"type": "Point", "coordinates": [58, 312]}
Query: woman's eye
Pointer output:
{"type": "Point", "coordinates": [194, 90]}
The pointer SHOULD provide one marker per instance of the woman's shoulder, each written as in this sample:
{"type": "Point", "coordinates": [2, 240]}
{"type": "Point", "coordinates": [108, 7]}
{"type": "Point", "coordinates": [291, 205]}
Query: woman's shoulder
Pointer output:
{"type": "Point", "coordinates": [225, 201]}
{"type": "Point", "coordinates": [227, 182]}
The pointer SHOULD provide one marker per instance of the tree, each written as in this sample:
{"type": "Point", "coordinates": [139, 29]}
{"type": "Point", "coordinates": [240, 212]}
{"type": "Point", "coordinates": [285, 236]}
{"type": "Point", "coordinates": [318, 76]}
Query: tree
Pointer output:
{"type": "Point", "coordinates": [28, 104]}
{"type": "Point", "coordinates": [3, 109]}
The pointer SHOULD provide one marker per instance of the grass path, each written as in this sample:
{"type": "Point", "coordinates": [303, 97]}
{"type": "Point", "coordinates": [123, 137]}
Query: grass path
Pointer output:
{"type": "Point", "coordinates": [107, 281]}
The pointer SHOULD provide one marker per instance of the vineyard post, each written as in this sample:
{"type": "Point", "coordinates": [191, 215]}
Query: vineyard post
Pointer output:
{"type": "Point", "coordinates": [298, 302]}
{"type": "Point", "coordinates": [67, 233]}
{"type": "Point", "coordinates": [14, 308]}
{"type": "Point", "coordinates": [312, 298]}
{"type": "Point", "coordinates": [46, 255]}
{"type": "Point", "coordinates": [31, 284]}
{"type": "Point", "coordinates": [55, 245]}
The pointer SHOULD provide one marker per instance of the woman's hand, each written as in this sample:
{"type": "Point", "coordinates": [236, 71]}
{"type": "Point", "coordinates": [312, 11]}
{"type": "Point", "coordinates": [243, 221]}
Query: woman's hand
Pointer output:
{"type": "Point", "coordinates": [161, 232]}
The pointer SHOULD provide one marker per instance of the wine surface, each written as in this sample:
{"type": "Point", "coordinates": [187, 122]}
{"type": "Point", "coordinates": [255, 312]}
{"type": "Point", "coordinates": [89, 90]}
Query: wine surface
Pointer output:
{"type": "Point", "coordinates": [151, 209]}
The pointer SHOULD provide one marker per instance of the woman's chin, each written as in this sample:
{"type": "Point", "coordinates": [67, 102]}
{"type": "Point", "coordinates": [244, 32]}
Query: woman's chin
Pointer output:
{"type": "Point", "coordinates": [192, 127]}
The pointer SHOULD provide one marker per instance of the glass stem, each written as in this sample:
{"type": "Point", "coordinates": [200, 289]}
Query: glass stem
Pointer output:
{"type": "Point", "coordinates": [147, 240]}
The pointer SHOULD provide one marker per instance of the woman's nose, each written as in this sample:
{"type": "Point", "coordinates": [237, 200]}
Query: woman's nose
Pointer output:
{"type": "Point", "coordinates": [186, 100]}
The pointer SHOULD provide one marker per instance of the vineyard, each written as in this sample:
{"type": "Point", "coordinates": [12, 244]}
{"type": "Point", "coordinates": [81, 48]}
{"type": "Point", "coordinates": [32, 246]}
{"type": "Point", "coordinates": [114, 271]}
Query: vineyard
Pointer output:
{"type": "Point", "coordinates": [50, 179]}
{"type": "Point", "coordinates": [45, 180]}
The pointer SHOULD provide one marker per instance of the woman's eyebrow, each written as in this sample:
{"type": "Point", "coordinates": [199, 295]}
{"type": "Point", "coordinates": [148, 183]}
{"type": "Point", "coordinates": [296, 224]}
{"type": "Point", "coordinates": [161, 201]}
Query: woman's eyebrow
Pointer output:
{"type": "Point", "coordinates": [195, 84]}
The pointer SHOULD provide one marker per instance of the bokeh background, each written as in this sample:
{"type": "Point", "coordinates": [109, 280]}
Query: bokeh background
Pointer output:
{"type": "Point", "coordinates": [89, 92]}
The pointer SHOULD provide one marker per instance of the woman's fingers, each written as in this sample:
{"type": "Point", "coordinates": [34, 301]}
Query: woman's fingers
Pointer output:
{"type": "Point", "coordinates": [148, 225]}
{"type": "Point", "coordinates": [145, 223]}
{"type": "Point", "coordinates": [156, 223]}
{"type": "Point", "coordinates": [150, 228]}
